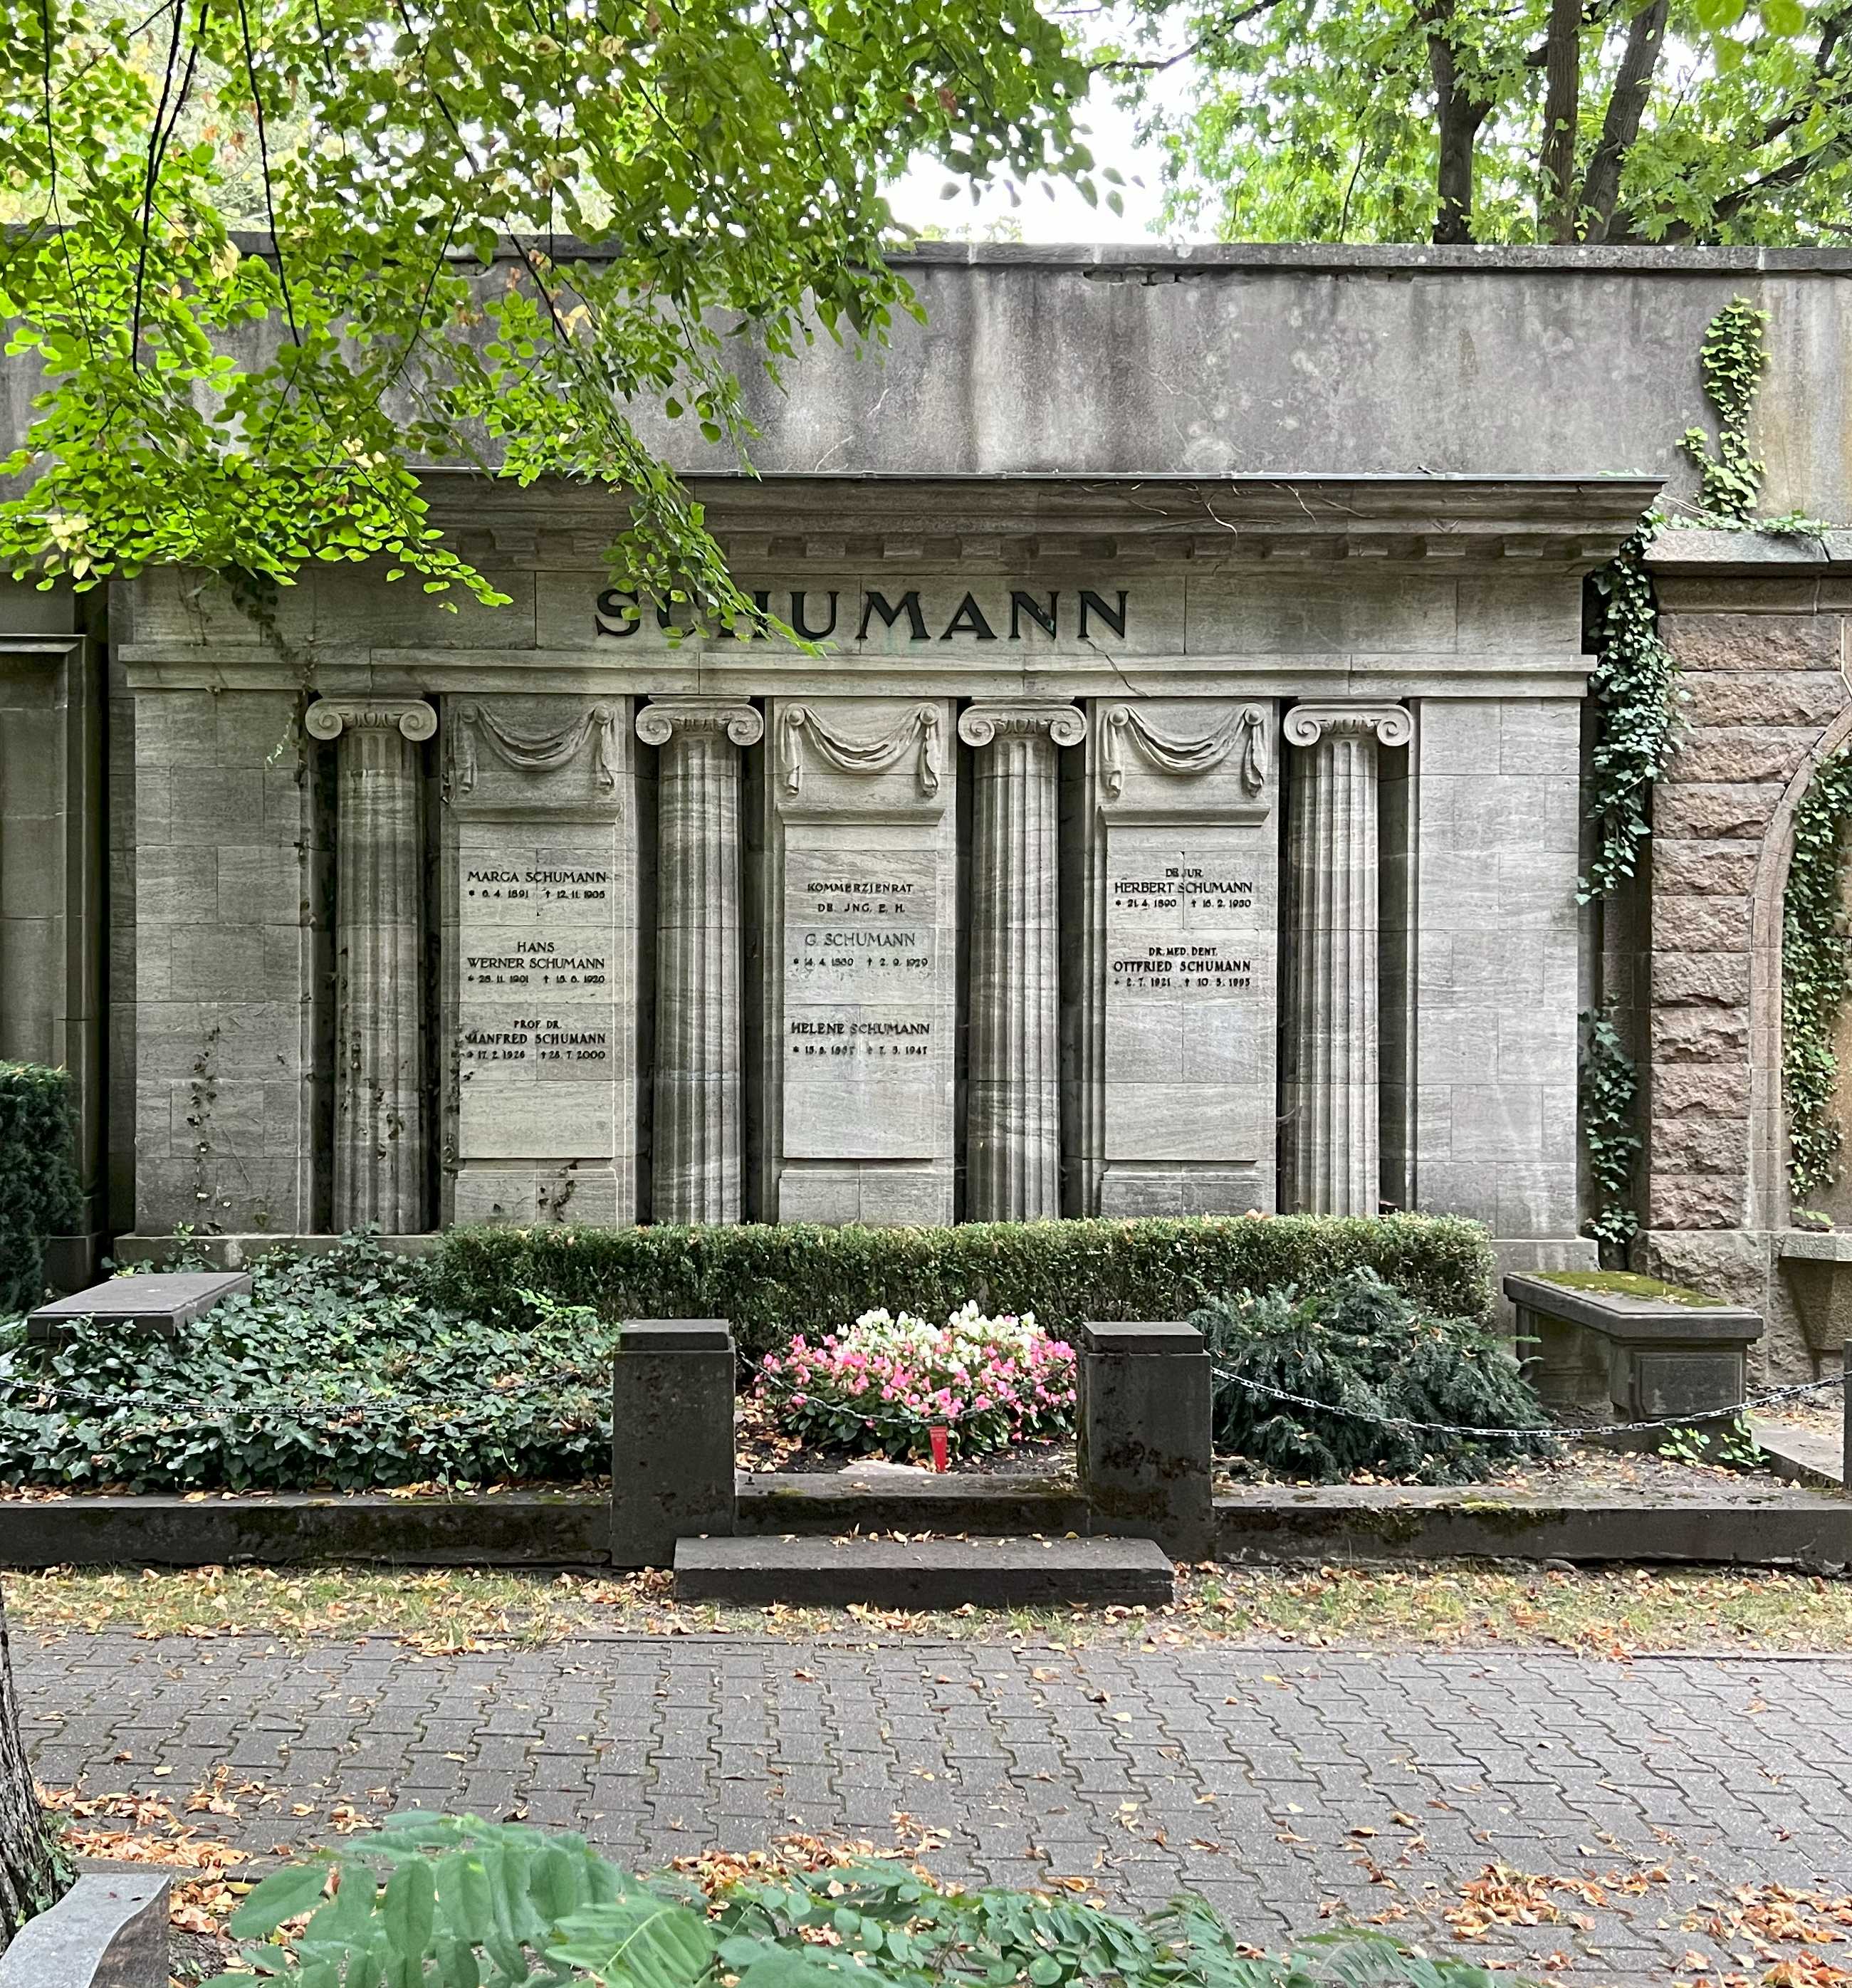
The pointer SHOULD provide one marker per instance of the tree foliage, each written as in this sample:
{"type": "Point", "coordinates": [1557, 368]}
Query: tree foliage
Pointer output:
{"type": "Point", "coordinates": [423, 172]}
{"type": "Point", "coordinates": [1474, 120]}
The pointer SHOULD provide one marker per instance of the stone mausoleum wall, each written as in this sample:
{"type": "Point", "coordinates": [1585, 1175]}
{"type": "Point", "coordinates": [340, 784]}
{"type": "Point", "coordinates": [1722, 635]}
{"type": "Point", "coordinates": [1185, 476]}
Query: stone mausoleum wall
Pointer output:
{"type": "Point", "coordinates": [1183, 811]}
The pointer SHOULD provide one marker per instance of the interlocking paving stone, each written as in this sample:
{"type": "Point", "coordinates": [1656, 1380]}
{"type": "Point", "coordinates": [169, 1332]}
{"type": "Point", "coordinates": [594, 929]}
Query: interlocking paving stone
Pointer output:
{"type": "Point", "coordinates": [1245, 1774]}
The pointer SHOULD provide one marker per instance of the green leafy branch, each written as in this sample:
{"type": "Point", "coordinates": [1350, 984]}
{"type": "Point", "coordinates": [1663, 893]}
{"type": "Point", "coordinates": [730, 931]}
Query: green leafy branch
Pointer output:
{"type": "Point", "coordinates": [1734, 357]}
{"type": "Point", "coordinates": [1609, 1092]}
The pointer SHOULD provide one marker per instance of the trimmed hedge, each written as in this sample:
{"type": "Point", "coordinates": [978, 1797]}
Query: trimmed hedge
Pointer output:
{"type": "Point", "coordinates": [773, 1281]}
{"type": "Point", "coordinates": [39, 1193]}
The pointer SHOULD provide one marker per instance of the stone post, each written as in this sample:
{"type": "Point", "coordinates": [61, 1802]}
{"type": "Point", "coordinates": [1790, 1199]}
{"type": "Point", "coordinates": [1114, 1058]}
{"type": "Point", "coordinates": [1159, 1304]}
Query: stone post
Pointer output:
{"type": "Point", "coordinates": [380, 1145]}
{"type": "Point", "coordinates": [1145, 1448]}
{"type": "Point", "coordinates": [671, 1437]}
{"type": "Point", "coordinates": [1334, 1136]}
{"type": "Point", "coordinates": [1013, 1065]}
{"type": "Point", "coordinates": [696, 1161]}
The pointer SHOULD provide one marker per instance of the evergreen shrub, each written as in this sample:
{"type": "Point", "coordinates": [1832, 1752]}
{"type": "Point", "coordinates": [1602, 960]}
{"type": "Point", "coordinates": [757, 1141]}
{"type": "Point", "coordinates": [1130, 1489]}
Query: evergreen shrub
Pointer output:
{"type": "Point", "coordinates": [775, 1281]}
{"type": "Point", "coordinates": [39, 1193]}
{"type": "Point", "coordinates": [1374, 1356]}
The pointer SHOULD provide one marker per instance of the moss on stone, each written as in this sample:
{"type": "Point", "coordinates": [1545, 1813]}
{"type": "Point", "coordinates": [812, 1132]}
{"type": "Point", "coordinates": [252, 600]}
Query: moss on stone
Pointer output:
{"type": "Point", "coordinates": [1626, 1284]}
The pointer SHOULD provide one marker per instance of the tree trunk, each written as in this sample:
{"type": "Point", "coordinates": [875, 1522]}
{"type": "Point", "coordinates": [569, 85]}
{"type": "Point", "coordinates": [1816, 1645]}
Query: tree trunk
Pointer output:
{"type": "Point", "coordinates": [1562, 105]}
{"type": "Point", "coordinates": [1461, 114]}
{"type": "Point", "coordinates": [31, 1875]}
{"type": "Point", "coordinates": [1626, 107]}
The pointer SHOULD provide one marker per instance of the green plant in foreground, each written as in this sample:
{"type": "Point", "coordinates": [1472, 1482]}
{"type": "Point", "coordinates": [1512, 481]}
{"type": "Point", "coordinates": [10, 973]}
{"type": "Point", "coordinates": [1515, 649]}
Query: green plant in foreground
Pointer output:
{"type": "Point", "coordinates": [39, 1194]}
{"type": "Point", "coordinates": [1374, 1359]}
{"type": "Point", "coordinates": [502, 1905]}
{"type": "Point", "coordinates": [1816, 972]}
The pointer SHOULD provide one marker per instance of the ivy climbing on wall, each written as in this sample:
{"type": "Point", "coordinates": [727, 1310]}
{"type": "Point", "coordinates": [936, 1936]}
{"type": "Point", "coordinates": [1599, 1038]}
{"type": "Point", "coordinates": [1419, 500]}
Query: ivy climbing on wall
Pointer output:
{"type": "Point", "coordinates": [1611, 1084]}
{"type": "Point", "coordinates": [1734, 357]}
{"type": "Point", "coordinates": [1816, 975]}
{"type": "Point", "coordinates": [1636, 690]}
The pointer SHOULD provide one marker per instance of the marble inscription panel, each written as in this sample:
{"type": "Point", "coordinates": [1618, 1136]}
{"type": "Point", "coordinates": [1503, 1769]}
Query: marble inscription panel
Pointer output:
{"type": "Point", "coordinates": [1189, 1006]}
{"type": "Point", "coordinates": [540, 1020]}
{"type": "Point", "coordinates": [866, 1049]}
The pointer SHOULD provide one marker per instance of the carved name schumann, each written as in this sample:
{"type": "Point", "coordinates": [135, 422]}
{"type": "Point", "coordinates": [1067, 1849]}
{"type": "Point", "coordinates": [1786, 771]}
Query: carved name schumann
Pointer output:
{"type": "Point", "coordinates": [1053, 613]}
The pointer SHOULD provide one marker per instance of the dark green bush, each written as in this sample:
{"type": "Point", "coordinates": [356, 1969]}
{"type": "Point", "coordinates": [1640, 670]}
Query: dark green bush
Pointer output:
{"type": "Point", "coordinates": [772, 1281]}
{"type": "Point", "coordinates": [1375, 1356]}
{"type": "Point", "coordinates": [39, 1194]}
{"type": "Point", "coordinates": [335, 1370]}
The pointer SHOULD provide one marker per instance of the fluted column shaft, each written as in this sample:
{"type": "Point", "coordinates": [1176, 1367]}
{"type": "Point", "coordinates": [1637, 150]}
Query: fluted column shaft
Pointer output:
{"type": "Point", "coordinates": [696, 1151]}
{"type": "Point", "coordinates": [1333, 1138]}
{"type": "Point", "coordinates": [380, 1156]}
{"type": "Point", "coordinates": [1013, 1063]}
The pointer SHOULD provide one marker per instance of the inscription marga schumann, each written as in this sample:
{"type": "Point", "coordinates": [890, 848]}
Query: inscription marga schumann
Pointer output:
{"type": "Point", "coordinates": [1083, 613]}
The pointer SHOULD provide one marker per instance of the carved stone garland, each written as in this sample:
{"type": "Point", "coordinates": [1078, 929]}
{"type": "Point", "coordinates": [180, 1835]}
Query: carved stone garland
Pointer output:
{"type": "Point", "coordinates": [530, 752]}
{"type": "Point", "coordinates": [1245, 730]}
{"type": "Point", "coordinates": [798, 726]}
{"type": "Point", "coordinates": [380, 1143]}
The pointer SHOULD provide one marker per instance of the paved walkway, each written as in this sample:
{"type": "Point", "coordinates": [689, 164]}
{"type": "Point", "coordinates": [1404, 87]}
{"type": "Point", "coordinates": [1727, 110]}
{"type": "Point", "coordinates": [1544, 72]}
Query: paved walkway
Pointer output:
{"type": "Point", "coordinates": [1275, 1782]}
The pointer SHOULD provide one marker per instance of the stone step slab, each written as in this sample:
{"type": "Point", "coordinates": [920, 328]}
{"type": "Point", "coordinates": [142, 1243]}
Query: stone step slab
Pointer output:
{"type": "Point", "coordinates": [161, 1301]}
{"type": "Point", "coordinates": [924, 1574]}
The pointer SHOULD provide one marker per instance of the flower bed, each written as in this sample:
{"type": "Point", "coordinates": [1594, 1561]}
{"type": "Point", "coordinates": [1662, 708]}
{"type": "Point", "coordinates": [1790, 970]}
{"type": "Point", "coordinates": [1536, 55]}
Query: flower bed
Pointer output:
{"type": "Point", "coordinates": [885, 1383]}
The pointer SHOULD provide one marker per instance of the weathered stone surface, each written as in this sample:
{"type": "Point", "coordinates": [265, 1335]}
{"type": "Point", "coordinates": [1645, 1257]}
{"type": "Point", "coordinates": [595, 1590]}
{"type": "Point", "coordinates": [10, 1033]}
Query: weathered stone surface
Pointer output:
{"type": "Point", "coordinates": [1700, 1035]}
{"type": "Point", "coordinates": [1701, 924]}
{"type": "Point", "coordinates": [1712, 809]}
{"type": "Point", "coordinates": [1707, 1089]}
{"type": "Point", "coordinates": [1710, 1143]}
{"type": "Point", "coordinates": [1736, 1269]}
{"type": "Point", "coordinates": [162, 1302]}
{"type": "Point", "coordinates": [1716, 979]}
{"type": "Point", "coordinates": [1145, 1453]}
{"type": "Point", "coordinates": [924, 1574]}
{"type": "Point", "coordinates": [1696, 1200]}
{"type": "Point", "coordinates": [380, 1155]}
{"type": "Point", "coordinates": [108, 1931]}
{"type": "Point", "coordinates": [697, 1161]}
{"type": "Point", "coordinates": [1743, 754]}
{"type": "Point", "coordinates": [1805, 699]}
{"type": "Point", "coordinates": [1013, 1089]}
{"type": "Point", "coordinates": [1742, 642]}
{"type": "Point", "coordinates": [1702, 868]}
{"type": "Point", "coordinates": [671, 1437]}
{"type": "Point", "coordinates": [1333, 1144]}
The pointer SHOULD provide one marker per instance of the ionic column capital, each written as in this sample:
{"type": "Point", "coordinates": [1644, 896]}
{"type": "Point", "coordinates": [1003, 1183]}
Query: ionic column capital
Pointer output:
{"type": "Point", "coordinates": [981, 723]}
{"type": "Point", "coordinates": [1306, 724]}
{"type": "Point", "coordinates": [329, 717]}
{"type": "Point", "coordinates": [661, 719]}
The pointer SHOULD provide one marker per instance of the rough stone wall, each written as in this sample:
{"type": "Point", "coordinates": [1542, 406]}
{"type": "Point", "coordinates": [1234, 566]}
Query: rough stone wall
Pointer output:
{"type": "Point", "coordinates": [1762, 660]}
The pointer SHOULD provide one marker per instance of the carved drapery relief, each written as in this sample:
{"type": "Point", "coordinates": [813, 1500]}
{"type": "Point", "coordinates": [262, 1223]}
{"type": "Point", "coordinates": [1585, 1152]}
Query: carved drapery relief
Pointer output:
{"type": "Point", "coordinates": [1245, 731]}
{"type": "Point", "coordinates": [529, 752]}
{"type": "Point", "coordinates": [918, 731]}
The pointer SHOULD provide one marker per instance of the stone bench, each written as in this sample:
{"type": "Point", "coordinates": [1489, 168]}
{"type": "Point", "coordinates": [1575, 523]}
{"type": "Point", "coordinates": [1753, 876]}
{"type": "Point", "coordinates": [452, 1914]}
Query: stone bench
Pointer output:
{"type": "Point", "coordinates": [1603, 1341]}
{"type": "Point", "coordinates": [162, 1302]}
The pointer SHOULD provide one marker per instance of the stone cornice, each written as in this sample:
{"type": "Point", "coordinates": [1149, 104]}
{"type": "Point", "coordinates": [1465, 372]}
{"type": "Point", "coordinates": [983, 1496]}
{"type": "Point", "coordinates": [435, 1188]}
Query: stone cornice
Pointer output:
{"type": "Point", "coordinates": [659, 722]}
{"type": "Point", "coordinates": [329, 717]}
{"type": "Point", "coordinates": [981, 723]}
{"type": "Point", "coordinates": [1306, 724]}
{"type": "Point", "coordinates": [1010, 523]}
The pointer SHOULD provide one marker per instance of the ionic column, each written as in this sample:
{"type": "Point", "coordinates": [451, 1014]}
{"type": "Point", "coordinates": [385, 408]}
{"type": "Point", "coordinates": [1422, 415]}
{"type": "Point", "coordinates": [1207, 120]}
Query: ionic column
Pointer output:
{"type": "Point", "coordinates": [695, 1158]}
{"type": "Point", "coordinates": [380, 1145]}
{"type": "Point", "coordinates": [1333, 1141]}
{"type": "Point", "coordinates": [1012, 1120]}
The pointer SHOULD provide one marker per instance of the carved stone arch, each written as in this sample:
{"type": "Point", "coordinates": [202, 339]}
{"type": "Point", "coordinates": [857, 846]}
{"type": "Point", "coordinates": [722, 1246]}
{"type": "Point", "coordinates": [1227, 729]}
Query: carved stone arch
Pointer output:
{"type": "Point", "coordinates": [1768, 1182]}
